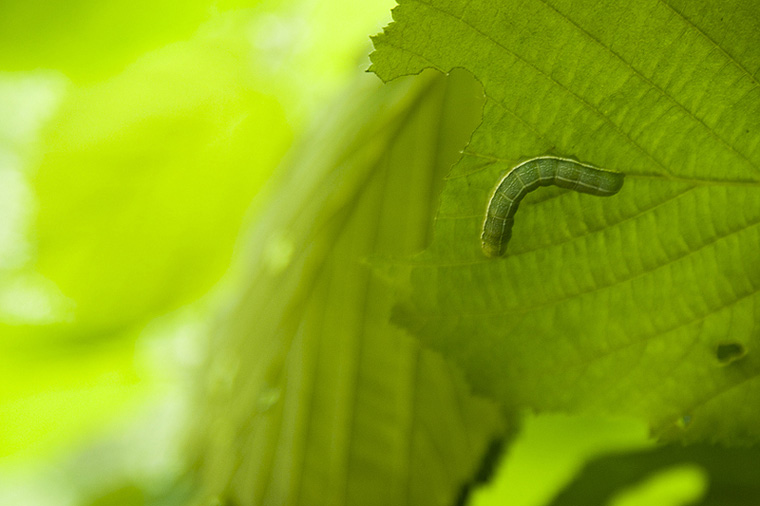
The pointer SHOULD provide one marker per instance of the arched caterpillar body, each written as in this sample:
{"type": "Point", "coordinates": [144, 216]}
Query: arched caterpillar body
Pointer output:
{"type": "Point", "coordinates": [527, 176]}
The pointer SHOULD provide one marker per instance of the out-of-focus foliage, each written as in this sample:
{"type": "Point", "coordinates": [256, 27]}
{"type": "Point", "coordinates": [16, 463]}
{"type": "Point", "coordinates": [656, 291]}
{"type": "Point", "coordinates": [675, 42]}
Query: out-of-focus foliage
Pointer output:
{"type": "Point", "coordinates": [548, 452]}
{"type": "Point", "coordinates": [713, 476]}
{"type": "Point", "coordinates": [642, 304]}
{"type": "Point", "coordinates": [88, 39]}
{"type": "Point", "coordinates": [314, 398]}
{"type": "Point", "coordinates": [161, 122]}
{"type": "Point", "coordinates": [145, 178]}
{"type": "Point", "coordinates": [142, 182]}
{"type": "Point", "coordinates": [128, 202]}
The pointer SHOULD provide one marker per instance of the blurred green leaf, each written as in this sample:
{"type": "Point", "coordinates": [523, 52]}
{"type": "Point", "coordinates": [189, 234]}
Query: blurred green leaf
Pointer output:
{"type": "Point", "coordinates": [733, 475]}
{"type": "Point", "coordinates": [49, 397]}
{"type": "Point", "coordinates": [313, 397]}
{"type": "Point", "coordinates": [550, 450]}
{"type": "Point", "coordinates": [87, 39]}
{"type": "Point", "coordinates": [125, 495]}
{"type": "Point", "coordinates": [145, 179]}
{"type": "Point", "coordinates": [617, 305]}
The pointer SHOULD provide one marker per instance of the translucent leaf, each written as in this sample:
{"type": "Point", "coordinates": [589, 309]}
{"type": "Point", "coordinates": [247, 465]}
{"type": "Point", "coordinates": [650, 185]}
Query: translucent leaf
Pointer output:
{"type": "Point", "coordinates": [313, 396]}
{"type": "Point", "coordinates": [87, 39]}
{"type": "Point", "coordinates": [142, 183]}
{"type": "Point", "coordinates": [627, 305]}
{"type": "Point", "coordinates": [145, 178]}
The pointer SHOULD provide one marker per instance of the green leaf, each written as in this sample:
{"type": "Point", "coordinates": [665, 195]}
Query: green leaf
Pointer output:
{"type": "Point", "coordinates": [732, 476]}
{"type": "Point", "coordinates": [89, 40]}
{"type": "Point", "coordinates": [51, 396]}
{"type": "Point", "coordinates": [550, 450]}
{"type": "Point", "coordinates": [143, 181]}
{"type": "Point", "coordinates": [145, 178]}
{"type": "Point", "coordinates": [622, 305]}
{"type": "Point", "coordinates": [313, 397]}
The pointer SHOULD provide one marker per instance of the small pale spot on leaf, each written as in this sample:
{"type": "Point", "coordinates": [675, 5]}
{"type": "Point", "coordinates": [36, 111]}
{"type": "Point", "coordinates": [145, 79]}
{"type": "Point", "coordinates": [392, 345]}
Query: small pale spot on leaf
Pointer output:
{"type": "Point", "coordinates": [278, 253]}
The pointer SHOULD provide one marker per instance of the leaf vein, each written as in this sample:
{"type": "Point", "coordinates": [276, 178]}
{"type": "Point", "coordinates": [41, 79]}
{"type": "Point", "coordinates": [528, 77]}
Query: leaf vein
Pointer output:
{"type": "Point", "coordinates": [651, 83]}
{"type": "Point", "coordinates": [561, 86]}
{"type": "Point", "coordinates": [598, 288]}
{"type": "Point", "coordinates": [701, 32]}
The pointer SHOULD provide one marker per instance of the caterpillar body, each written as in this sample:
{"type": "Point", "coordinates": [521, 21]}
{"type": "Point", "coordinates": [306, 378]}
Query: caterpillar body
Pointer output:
{"type": "Point", "coordinates": [527, 176]}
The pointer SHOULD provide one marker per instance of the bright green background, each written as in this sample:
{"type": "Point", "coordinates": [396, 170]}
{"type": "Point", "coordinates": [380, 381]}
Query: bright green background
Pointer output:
{"type": "Point", "coordinates": [127, 173]}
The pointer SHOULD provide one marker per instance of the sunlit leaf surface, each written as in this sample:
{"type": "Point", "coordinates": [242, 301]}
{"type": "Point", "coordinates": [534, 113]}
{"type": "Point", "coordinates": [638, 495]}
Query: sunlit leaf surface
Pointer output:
{"type": "Point", "coordinates": [629, 304]}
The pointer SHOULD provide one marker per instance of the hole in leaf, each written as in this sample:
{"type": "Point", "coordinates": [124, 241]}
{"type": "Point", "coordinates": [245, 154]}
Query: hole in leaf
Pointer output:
{"type": "Point", "coordinates": [490, 460]}
{"type": "Point", "coordinates": [730, 352]}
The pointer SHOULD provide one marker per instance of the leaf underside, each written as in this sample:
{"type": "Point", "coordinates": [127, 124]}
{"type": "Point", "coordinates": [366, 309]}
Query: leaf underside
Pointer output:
{"type": "Point", "coordinates": [625, 304]}
{"type": "Point", "coordinates": [313, 396]}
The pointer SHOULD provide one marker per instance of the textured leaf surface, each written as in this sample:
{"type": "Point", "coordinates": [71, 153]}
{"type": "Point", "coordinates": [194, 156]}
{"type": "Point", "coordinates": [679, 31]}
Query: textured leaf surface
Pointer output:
{"type": "Point", "coordinates": [644, 303]}
{"type": "Point", "coordinates": [314, 397]}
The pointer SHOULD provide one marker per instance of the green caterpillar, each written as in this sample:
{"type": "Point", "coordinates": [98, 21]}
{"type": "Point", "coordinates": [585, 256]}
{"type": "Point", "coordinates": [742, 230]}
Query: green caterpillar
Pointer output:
{"type": "Point", "coordinates": [527, 176]}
